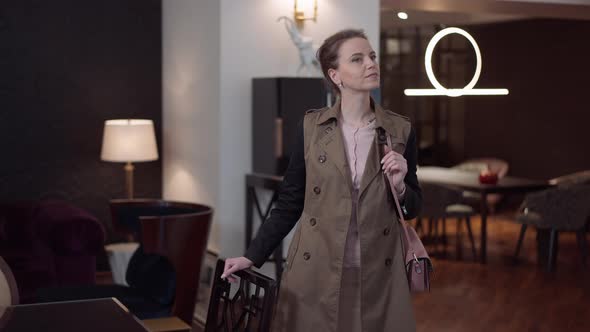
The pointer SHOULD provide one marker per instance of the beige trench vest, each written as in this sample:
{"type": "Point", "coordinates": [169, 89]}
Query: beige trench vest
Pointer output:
{"type": "Point", "coordinates": [310, 287]}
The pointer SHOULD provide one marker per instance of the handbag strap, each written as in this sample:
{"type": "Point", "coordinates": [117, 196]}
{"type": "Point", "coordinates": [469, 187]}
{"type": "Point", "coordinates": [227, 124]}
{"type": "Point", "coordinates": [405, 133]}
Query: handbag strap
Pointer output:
{"type": "Point", "coordinates": [384, 139]}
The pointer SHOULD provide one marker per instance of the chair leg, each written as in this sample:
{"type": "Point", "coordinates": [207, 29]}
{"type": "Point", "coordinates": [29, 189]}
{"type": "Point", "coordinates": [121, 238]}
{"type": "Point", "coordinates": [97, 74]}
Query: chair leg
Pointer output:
{"type": "Point", "coordinates": [459, 247]}
{"type": "Point", "coordinates": [470, 234]}
{"type": "Point", "coordinates": [444, 232]}
{"type": "Point", "coordinates": [553, 238]}
{"type": "Point", "coordinates": [520, 239]}
{"type": "Point", "coordinates": [436, 235]}
{"type": "Point", "coordinates": [433, 231]}
{"type": "Point", "coordinates": [419, 226]}
{"type": "Point", "coordinates": [583, 244]}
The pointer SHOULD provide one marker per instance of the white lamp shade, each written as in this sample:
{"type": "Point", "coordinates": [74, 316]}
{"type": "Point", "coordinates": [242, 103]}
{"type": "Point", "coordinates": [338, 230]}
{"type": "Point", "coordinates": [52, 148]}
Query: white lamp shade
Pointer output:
{"type": "Point", "coordinates": [129, 141]}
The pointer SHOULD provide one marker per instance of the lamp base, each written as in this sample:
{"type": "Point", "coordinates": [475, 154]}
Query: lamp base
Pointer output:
{"type": "Point", "coordinates": [129, 179]}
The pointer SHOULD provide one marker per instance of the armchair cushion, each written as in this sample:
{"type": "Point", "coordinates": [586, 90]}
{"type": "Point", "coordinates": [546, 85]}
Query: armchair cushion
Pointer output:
{"type": "Point", "coordinates": [49, 243]}
{"type": "Point", "coordinates": [69, 230]}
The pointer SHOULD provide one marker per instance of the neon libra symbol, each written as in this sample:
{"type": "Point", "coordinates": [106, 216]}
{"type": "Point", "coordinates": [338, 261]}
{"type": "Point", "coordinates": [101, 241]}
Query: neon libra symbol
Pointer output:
{"type": "Point", "coordinates": [440, 90]}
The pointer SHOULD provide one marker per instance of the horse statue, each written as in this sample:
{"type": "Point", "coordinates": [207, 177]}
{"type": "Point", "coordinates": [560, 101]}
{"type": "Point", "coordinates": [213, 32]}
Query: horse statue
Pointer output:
{"type": "Point", "coordinates": [307, 51]}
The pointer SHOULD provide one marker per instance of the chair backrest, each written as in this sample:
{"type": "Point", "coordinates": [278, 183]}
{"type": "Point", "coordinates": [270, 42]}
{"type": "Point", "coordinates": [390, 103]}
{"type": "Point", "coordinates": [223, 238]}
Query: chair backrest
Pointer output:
{"type": "Point", "coordinates": [177, 231]}
{"type": "Point", "coordinates": [8, 288]}
{"type": "Point", "coordinates": [571, 179]}
{"type": "Point", "coordinates": [125, 213]}
{"type": "Point", "coordinates": [563, 208]}
{"type": "Point", "coordinates": [246, 310]}
{"type": "Point", "coordinates": [436, 198]}
{"type": "Point", "coordinates": [477, 165]}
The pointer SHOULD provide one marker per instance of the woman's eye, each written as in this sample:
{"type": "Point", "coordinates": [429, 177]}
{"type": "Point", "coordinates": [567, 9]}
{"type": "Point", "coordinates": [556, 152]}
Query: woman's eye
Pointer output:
{"type": "Point", "coordinates": [356, 59]}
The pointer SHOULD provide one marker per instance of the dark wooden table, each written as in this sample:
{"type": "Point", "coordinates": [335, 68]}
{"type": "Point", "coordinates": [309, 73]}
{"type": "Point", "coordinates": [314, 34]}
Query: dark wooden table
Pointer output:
{"type": "Point", "coordinates": [106, 314]}
{"type": "Point", "coordinates": [469, 181]}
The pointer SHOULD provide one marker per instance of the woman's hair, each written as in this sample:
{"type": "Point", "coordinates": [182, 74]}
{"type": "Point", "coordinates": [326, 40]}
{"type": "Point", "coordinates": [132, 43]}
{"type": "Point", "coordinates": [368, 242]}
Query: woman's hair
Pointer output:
{"type": "Point", "coordinates": [327, 54]}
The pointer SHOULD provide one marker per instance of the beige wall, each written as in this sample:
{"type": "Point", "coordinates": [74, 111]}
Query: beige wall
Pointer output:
{"type": "Point", "coordinates": [207, 126]}
{"type": "Point", "coordinates": [191, 62]}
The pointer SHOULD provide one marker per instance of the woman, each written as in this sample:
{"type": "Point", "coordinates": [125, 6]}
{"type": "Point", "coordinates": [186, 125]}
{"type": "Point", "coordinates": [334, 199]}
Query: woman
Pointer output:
{"type": "Point", "coordinates": [345, 270]}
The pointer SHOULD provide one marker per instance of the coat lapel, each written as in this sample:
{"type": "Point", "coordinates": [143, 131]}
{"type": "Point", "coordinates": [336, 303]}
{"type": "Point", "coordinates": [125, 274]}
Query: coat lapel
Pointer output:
{"type": "Point", "coordinates": [372, 167]}
{"type": "Point", "coordinates": [392, 128]}
{"type": "Point", "coordinates": [330, 141]}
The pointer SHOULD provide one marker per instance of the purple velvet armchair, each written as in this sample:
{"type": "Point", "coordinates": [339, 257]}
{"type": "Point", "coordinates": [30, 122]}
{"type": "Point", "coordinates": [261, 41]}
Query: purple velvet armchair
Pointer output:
{"type": "Point", "coordinates": [48, 244]}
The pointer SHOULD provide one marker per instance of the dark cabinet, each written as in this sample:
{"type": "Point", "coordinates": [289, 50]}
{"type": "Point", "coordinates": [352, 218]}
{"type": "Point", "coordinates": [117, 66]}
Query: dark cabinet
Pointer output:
{"type": "Point", "coordinates": [278, 104]}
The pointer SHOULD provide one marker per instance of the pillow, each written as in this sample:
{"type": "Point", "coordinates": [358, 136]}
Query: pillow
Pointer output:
{"type": "Point", "coordinates": [152, 275]}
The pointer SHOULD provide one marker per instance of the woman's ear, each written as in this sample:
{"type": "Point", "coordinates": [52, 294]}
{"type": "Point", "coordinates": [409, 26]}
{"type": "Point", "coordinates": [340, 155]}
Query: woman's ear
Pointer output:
{"type": "Point", "coordinates": [334, 76]}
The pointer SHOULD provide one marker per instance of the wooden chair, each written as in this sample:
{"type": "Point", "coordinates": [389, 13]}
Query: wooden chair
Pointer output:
{"type": "Point", "coordinates": [177, 231]}
{"type": "Point", "coordinates": [8, 288]}
{"type": "Point", "coordinates": [248, 309]}
{"type": "Point", "coordinates": [163, 273]}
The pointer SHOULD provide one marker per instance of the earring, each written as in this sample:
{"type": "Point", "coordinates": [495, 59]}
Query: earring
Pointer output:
{"type": "Point", "coordinates": [340, 85]}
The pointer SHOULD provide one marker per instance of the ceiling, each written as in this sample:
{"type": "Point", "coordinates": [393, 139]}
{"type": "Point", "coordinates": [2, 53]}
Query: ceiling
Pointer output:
{"type": "Point", "coordinates": [389, 19]}
{"type": "Point", "coordinates": [457, 12]}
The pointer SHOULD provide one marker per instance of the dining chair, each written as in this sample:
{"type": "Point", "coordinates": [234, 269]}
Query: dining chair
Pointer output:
{"type": "Point", "coordinates": [440, 203]}
{"type": "Point", "coordinates": [249, 308]}
{"type": "Point", "coordinates": [571, 179]}
{"type": "Point", "coordinates": [558, 209]}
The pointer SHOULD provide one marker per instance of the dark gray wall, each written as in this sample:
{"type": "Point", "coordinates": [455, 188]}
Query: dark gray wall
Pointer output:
{"type": "Point", "coordinates": [542, 128]}
{"type": "Point", "coordinates": [66, 67]}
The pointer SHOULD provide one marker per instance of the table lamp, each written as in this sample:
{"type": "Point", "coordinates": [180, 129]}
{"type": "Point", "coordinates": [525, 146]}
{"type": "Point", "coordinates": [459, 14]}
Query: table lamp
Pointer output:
{"type": "Point", "coordinates": [129, 140]}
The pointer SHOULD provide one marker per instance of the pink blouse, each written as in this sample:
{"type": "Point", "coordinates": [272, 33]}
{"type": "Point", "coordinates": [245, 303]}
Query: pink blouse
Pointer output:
{"type": "Point", "coordinates": [357, 143]}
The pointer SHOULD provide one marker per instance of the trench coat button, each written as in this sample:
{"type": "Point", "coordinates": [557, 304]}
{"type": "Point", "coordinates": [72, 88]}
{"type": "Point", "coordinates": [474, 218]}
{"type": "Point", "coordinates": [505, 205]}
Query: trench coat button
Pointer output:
{"type": "Point", "coordinates": [317, 190]}
{"type": "Point", "coordinates": [306, 256]}
{"type": "Point", "coordinates": [386, 231]}
{"type": "Point", "coordinates": [382, 137]}
{"type": "Point", "coordinates": [312, 221]}
{"type": "Point", "coordinates": [322, 159]}
{"type": "Point", "coordinates": [388, 262]}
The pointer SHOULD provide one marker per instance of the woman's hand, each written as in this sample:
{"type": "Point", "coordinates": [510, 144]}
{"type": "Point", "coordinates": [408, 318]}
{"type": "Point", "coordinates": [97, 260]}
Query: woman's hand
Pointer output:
{"type": "Point", "coordinates": [396, 168]}
{"type": "Point", "coordinates": [235, 264]}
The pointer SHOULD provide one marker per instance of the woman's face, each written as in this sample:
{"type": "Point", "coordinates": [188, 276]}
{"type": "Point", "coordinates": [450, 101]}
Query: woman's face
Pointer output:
{"type": "Point", "coordinates": [358, 69]}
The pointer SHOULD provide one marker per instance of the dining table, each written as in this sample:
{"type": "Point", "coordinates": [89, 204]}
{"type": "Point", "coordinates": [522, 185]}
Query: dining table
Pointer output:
{"type": "Point", "coordinates": [94, 315]}
{"type": "Point", "coordinates": [462, 180]}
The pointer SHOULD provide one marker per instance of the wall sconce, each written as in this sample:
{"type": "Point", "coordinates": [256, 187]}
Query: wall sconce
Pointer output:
{"type": "Point", "coordinates": [306, 10]}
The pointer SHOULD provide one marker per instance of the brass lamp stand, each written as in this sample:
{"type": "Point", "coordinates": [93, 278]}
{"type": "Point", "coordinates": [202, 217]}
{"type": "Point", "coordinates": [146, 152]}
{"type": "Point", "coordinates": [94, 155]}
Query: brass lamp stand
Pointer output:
{"type": "Point", "coordinates": [129, 179]}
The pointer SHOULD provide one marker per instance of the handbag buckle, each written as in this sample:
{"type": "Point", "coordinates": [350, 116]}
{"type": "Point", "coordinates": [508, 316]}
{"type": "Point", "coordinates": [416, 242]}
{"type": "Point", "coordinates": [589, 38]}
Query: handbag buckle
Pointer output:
{"type": "Point", "coordinates": [417, 266]}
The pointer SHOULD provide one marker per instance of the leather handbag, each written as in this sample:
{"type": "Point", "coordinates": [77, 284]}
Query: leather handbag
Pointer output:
{"type": "Point", "coordinates": [417, 262]}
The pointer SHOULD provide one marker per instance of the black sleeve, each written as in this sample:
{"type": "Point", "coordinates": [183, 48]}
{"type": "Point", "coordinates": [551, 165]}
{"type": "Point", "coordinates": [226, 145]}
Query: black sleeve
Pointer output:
{"type": "Point", "coordinates": [413, 196]}
{"type": "Point", "coordinates": [288, 207]}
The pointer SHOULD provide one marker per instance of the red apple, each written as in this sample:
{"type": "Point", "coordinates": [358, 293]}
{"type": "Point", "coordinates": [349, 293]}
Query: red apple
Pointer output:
{"type": "Point", "coordinates": [488, 177]}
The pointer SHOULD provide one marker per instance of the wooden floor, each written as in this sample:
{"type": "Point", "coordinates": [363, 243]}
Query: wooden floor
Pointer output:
{"type": "Point", "coordinates": [505, 295]}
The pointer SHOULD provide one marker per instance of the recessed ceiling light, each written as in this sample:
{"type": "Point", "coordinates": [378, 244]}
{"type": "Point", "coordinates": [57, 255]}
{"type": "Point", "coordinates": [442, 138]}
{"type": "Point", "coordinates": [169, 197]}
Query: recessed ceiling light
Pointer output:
{"type": "Point", "coordinates": [402, 15]}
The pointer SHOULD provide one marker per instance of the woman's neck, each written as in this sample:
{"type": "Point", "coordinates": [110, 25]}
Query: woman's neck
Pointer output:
{"type": "Point", "coordinates": [356, 109]}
